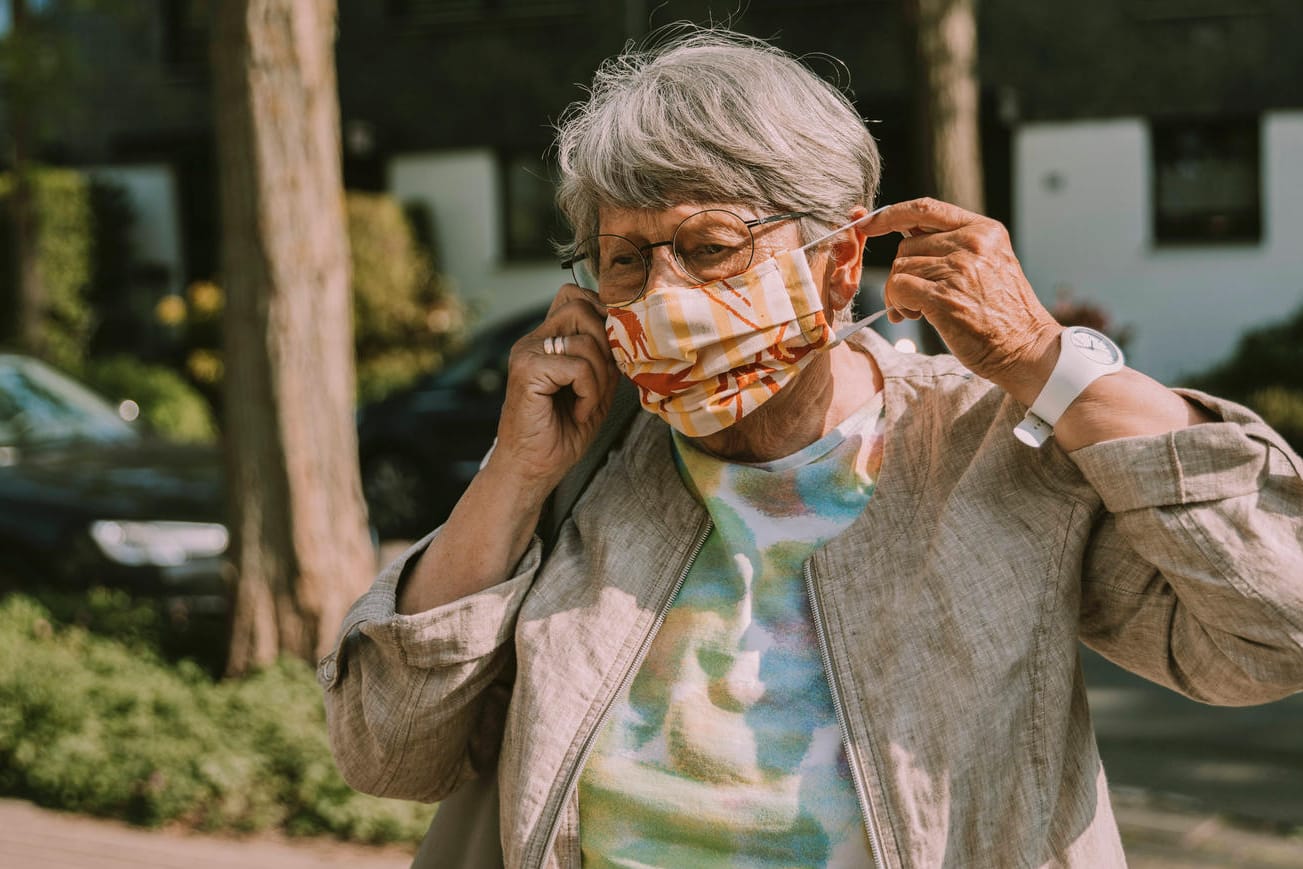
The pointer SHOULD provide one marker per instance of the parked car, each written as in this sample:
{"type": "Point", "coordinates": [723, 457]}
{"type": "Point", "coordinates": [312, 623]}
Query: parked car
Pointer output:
{"type": "Point", "coordinates": [88, 499]}
{"type": "Point", "coordinates": [420, 446]}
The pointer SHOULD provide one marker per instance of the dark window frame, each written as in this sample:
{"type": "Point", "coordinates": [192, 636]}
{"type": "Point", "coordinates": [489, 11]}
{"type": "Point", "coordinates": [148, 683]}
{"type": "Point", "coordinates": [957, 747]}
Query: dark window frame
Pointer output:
{"type": "Point", "coordinates": [514, 248]}
{"type": "Point", "coordinates": [1228, 139]}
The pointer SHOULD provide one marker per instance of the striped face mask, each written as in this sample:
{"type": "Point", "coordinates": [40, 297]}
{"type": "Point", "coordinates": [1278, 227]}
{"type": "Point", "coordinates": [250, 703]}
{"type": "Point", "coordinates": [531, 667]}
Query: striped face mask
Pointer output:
{"type": "Point", "coordinates": [703, 357]}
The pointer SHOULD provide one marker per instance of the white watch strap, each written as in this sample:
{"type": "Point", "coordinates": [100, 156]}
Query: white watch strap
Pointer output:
{"type": "Point", "coordinates": [1073, 372]}
{"type": "Point", "coordinates": [1033, 430]}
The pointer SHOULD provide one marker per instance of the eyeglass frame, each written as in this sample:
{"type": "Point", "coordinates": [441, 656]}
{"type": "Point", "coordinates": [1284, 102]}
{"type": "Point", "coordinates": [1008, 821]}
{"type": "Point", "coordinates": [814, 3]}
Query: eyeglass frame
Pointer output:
{"type": "Point", "coordinates": [643, 250]}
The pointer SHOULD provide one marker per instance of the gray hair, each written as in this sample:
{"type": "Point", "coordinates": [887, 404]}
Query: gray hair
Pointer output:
{"type": "Point", "coordinates": [709, 115]}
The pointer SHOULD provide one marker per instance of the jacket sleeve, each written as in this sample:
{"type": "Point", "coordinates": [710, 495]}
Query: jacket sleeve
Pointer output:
{"type": "Point", "coordinates": [415, 703]}
{"type": "Point", "coordinates": [1194, 575]}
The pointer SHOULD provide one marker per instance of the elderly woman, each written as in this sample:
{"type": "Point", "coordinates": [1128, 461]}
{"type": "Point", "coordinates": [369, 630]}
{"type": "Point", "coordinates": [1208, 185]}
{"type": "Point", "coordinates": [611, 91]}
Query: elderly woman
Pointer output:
{"type": "Point", "coordinates": [821, 604]}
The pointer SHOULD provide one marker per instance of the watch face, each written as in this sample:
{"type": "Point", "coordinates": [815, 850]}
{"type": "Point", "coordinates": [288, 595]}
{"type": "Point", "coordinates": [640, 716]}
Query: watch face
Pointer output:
{"type": "Point", "coordinates": [1094, 346]}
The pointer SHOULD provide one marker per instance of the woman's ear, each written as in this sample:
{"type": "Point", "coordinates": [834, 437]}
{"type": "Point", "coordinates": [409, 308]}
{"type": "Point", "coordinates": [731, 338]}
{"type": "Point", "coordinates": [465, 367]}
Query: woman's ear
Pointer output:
{"type": "Point", "coordinates": [846, 261]}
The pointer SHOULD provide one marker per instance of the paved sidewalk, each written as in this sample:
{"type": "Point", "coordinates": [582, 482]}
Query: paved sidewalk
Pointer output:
{"type": "Point", "coordinates": [35, 838]}
{"type": "Point", "coordinates": [1159, 837]}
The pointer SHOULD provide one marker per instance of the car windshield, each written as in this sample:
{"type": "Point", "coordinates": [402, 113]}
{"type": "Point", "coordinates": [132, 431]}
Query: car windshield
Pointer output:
{"type": "Point", "coordinates": [40, 406]}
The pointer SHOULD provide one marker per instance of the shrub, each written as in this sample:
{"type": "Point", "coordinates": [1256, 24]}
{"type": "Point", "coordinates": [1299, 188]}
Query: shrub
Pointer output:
{"type": "Point", "coordinates": [1267, 356]}
{"type": "Point", "coordinates": [1282, 409]}
{"type": "Point", "coordinates": [65, 233]}
{"type": "Point", "coordinates": [168, 404]}
{"type": "Point", "coordinates": [95, 725]}
{"type": "Point", "coordinates": [1266, 373]}
{"type": "Point", "coordinates": [405, 316]}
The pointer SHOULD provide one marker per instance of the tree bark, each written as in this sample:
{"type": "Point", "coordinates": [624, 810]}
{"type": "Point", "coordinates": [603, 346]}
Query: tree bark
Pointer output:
{"type": "Point", "coordinates": [947, 95]}
{"type": "Point", "coordinates": [948, 100]}
{"type": "Point", "coordinates": [299, 533]}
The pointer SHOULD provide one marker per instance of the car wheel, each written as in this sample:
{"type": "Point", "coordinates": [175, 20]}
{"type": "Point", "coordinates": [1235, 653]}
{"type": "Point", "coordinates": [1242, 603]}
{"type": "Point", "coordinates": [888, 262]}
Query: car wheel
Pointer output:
{"type": "Point", "coordinates": [397, 493]}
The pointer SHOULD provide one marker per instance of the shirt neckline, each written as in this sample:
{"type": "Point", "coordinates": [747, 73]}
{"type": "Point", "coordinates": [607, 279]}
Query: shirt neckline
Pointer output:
{"type": "Point", "coordinates": [850, 425]}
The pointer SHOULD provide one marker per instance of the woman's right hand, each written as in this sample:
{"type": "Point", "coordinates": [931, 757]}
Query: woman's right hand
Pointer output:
{"type": "Point", "coordinates": [555, 402]}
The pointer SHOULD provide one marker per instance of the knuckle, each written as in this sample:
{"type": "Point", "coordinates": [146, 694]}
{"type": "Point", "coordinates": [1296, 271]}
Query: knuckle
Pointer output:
{"type": "Point", "coordinates": [992, 233]}
{"type": "Point", "coordinates": [520, 353]}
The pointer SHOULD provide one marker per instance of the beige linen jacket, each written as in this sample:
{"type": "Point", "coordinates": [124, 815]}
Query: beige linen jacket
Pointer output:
{"type": "Point", "coordinates": [949, 614]}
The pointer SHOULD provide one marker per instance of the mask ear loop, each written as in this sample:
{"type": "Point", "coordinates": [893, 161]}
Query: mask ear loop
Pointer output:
{"type": "Point", "coordinates": [847, 331]}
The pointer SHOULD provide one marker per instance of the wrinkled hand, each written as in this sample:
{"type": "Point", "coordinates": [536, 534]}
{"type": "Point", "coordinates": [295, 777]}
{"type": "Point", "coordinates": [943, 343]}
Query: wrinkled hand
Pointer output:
{"type": "Point", "coordinates": [958, 270]}
{"type": "Point", "coordinates": [556, 402]}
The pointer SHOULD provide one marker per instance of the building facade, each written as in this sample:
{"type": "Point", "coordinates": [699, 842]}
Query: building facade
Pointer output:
{"type": "Point", "coordinates": [1147, 154]}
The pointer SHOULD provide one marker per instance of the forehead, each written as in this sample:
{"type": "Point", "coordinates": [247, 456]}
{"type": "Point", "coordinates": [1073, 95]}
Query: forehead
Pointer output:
{"type": "Point", "coordinates": [656, 223]}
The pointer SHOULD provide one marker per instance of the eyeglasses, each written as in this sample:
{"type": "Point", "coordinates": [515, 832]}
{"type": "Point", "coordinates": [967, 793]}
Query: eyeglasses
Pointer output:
{"type": "Point", "coordinates": [710, 245]}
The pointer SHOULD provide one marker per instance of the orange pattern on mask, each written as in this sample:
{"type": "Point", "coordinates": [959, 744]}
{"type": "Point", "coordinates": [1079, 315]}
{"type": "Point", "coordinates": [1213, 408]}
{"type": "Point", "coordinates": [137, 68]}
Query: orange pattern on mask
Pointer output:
{"type": "Point", "coordinates": [633, 328]}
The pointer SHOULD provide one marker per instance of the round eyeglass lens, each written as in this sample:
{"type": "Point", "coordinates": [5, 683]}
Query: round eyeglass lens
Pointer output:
{"type": "Point", "coordinates": [713, 245]}
{"type": "Point", "coordinates": [612, 266]}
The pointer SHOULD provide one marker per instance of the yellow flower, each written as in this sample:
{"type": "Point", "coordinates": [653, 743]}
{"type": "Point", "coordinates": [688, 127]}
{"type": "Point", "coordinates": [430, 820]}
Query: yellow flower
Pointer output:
{"type": "Point", "coordinates": [170, 310]}
{"type": "Point", "coordinates": [206, 366]}
{"type": "Point", "coordinates": [206, 297]}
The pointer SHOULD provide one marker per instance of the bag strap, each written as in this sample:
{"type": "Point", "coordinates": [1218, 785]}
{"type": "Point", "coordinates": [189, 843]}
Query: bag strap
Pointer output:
{"type": "Point", "coordinates": [567, 493]}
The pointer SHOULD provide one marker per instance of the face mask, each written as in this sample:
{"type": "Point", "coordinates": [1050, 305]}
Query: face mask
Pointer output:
{"type": "Point", "coordinates": [704, 357]}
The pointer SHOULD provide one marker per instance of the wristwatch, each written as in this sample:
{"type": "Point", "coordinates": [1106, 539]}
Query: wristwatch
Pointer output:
{"type": "Point", "coordinates": [1084, 356]}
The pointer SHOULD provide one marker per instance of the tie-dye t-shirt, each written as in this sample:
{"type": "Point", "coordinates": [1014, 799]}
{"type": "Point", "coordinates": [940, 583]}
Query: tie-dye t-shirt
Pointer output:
{"type": "Point", "coordinates": [724, 750]}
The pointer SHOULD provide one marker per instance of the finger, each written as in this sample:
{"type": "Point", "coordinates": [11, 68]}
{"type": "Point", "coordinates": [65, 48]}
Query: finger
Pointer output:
{"type": "Point", "coordinates": [596, 352]}
{"type": "Point", "coordinates": [909, 294]}
{"type": "Point", "coordinates": [555, 353]}
{"type": "Point", "coordinates": [935, 244]}
{"type": "Point", "coordinates": [554, 373]}
{"type": "Point", "coordinates": [918, 215]}
{"type": "Point", "coordinates": [900, 315]}
{"type": "Point", "coordinates": [935, 269]}
{"type": "Point", "coordinates": [575, 293]}
{"type": "Point", "coordinates": [577, 317]}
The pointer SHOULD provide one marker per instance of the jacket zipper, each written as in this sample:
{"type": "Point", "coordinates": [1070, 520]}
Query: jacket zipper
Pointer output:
{"type": "Point", "coordinates": [573, 777]}
{"type": "Point", "coordinates": [861, 792]}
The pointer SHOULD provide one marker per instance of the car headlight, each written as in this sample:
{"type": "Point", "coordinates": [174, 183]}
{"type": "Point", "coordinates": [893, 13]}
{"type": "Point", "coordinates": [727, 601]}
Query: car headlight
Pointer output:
{"type": "Point", "coordinates": [162, 544]}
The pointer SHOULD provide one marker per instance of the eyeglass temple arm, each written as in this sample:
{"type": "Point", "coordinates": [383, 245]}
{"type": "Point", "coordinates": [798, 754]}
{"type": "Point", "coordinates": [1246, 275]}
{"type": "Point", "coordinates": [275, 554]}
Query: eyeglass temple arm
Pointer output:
{"type": "Point", "coordinates": [790, 215]}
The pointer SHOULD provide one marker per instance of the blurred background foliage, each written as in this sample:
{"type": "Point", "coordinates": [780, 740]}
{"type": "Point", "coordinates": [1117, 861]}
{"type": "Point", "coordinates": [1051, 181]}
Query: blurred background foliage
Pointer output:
{"type": "Point", "coordinates": [1266, 373]}
{"type": "Point", "coordinates": [169, 405]}
{"type": "Point", "coordinates": [405, 316]}
{"type": "Point", "coordinates": [65, 242]}
{"type": "Point", "coordinates": [107, 324]}
{"type": "Point", "coordinates": [93, 719]}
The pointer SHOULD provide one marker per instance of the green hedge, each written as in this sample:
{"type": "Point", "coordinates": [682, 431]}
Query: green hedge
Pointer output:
{"type": "Point", "coordinates": [168, 404]}
{"type": "Point", "coordinates": [65, 233]}
{"type": "Point", "coordinates": [1265, 373]}
{"type": "Point", "coordinates": [405, 317]}
{"type": "Point", "coordinates": [103, 726]}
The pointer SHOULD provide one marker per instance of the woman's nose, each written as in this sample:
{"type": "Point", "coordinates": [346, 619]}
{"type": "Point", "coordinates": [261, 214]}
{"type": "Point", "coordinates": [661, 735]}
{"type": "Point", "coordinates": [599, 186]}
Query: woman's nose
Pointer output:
{"type": "Point", "coordinates": [663, 270]}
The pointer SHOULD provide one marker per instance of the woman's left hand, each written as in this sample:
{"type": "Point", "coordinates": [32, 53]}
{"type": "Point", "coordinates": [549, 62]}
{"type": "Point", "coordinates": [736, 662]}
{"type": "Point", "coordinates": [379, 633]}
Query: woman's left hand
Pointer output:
{"type": "Point", "coordinates": [958, 270]}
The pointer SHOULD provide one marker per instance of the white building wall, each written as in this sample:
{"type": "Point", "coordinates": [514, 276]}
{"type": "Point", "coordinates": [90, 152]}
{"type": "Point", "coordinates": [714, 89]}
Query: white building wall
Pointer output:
{"type": "Point", "coordinates": [462, 191]}
{"type": "Point", "coordinates": [1082, 196]}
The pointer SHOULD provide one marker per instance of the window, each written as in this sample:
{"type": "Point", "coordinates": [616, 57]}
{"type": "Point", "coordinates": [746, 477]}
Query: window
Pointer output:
{"type": "Point", "coordinates": [1207, 184]}
{"type": "Point", "coordinates": [530, 215]}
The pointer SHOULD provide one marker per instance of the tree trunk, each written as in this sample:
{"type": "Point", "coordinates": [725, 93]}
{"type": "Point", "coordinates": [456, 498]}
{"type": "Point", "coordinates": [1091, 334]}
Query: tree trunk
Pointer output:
{"type": "Point", "coordinates": [29, 320]}
{"type": "Point", "coordinates": [948, 100]}
{"type": "Point", "coordinates": [947, 108]}
{"type": "Point", "coordinates": [298, 521]}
